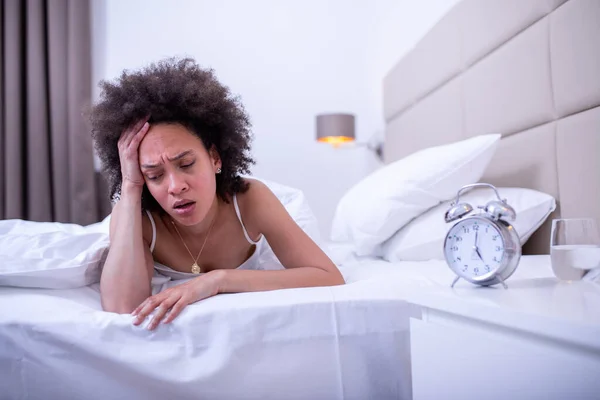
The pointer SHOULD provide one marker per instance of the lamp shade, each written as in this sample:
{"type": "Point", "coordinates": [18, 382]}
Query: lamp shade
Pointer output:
{"type": "Point", "coordinates": [335, 128]}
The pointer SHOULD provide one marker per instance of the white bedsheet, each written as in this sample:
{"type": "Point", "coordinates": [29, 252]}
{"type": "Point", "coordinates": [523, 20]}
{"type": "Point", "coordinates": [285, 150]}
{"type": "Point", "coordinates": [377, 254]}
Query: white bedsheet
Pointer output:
{"type": "Point", "coordinates": [345, 342]}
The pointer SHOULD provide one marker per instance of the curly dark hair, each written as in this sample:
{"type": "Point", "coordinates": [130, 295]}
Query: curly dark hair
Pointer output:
{"type": "Point", "coordinates": [173, 91]}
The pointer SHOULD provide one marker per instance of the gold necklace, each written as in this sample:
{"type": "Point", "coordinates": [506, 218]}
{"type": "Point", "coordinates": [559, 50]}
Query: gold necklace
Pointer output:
{"type": "Point", "coordinates": [195, 267]}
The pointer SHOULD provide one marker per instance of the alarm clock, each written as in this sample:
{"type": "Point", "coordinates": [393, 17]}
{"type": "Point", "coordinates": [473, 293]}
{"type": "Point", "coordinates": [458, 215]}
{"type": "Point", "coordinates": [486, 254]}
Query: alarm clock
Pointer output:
{"type": "Point", "coordinates": [482, 247]}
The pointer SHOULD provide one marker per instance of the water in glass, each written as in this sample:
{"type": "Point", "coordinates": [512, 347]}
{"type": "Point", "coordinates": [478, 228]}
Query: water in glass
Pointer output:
{"type": "Point", "coordinates": [574, 247]}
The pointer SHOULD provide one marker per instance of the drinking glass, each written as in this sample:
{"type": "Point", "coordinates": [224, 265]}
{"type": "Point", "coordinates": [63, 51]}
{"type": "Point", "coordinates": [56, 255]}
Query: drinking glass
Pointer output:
{"type": "Point", "coordinates": [574, 247]}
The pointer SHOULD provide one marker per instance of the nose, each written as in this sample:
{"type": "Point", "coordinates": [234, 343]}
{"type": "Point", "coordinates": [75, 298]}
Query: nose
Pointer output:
{"type": "Point", "coordinates": [177, 184]}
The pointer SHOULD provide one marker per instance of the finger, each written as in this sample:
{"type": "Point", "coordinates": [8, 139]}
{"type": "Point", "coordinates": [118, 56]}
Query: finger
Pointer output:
{"type": "Point", "coordinates": [135, 141]}
{"type": "Point", "coordinates": [137, 125]}
{"type": "Point", "coordinates": [175, 311]}
{"type": "Point", "coordinates": [131, 134]}
{"type": "Point", "coordinates": [128, 131]}
{"type": "Point", "coordinates": [142, 304]}
{"type": "Point", "coordinates": [138, 308]}
{"type": "Point", "coordinates": [161, 310]}
{"type": "Point", "coordinates": [132, 129]}
{"type": "Point", "coordinates": [156, 298]}
{"type": "Point", "coordinates": [136, 312]}
{"type": "Point", "coordinates": [151, 304]}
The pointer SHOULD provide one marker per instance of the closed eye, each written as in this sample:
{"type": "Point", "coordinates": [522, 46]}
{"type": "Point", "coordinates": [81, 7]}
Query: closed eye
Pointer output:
{"type": "Point", "coordinates": [153, 178]}
{"type": "Point", "coordinates": [187, 165]}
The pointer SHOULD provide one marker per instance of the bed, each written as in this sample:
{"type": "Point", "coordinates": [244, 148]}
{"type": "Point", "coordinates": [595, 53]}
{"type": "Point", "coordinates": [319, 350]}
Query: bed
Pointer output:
{"type": "Point", "coordinates": [348, 342]}
{"type": "Point", "coordinates": [529, 73]}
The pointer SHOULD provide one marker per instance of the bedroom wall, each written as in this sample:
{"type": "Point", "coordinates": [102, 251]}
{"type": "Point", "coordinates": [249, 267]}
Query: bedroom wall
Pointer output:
{"type": "Point", "coordinates": [288, 61]}
{"type": "Point", "coordinates": [397, 26]}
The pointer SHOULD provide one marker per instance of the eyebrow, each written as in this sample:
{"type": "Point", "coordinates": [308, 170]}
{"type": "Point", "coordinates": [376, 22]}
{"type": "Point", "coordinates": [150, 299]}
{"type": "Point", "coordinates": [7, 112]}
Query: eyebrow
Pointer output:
{"type": "Point", "coordinates": [177, 157]}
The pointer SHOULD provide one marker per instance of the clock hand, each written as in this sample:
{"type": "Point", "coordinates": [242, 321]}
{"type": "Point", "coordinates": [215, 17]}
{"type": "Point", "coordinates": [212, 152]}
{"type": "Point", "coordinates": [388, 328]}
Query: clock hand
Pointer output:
{"type": "Point", "coordinates": [477, 248]}
{"type": "Point", "coordinates": [479, 254]}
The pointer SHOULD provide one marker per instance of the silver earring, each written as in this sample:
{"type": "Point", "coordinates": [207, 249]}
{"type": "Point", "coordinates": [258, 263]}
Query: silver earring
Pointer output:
{"type": "Point", "coordinates": [218, 170]}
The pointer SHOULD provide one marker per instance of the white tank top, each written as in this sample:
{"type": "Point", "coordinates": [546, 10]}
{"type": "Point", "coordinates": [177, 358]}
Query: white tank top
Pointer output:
{"type": "Point", "coordinates": [263, 257]}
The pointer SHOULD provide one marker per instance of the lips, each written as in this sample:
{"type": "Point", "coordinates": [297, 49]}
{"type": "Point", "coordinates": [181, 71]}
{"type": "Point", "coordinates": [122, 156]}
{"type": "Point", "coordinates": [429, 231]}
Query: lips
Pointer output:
{"type": "Point", "coordinates": [184, 208]}
{"type": "Point", "coordinates": [179, 204]}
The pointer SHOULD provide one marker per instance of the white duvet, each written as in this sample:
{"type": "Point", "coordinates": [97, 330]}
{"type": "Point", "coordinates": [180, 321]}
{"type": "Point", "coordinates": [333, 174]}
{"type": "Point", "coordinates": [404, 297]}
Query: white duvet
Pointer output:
{"type": "Point", "coordinates": [348, 342]}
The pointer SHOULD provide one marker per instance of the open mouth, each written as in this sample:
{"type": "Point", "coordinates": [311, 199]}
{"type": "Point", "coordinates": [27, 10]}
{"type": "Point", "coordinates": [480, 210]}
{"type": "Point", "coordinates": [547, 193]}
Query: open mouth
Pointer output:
{"type": "Point", "coordinates": [184, 206]}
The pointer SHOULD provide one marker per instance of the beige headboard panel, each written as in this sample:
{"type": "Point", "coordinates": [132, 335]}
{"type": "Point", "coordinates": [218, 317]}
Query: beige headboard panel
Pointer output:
{"type": "Point", "coordinates": [529, 70]}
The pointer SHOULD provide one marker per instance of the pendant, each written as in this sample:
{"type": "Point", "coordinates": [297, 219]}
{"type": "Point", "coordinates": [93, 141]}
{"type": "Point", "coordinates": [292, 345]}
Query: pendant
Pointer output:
{"type": "Point", "coordinates": [195, 269]}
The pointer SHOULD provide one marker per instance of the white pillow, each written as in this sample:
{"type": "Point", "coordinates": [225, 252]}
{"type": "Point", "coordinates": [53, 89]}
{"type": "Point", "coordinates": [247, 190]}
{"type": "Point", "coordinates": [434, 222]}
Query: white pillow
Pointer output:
{"type": "Point", "coordinates": [50, 254]}
{"type": "Point", "coordinates": [382, 203]}
{"type": "Point", "coordinates": [423, 238]}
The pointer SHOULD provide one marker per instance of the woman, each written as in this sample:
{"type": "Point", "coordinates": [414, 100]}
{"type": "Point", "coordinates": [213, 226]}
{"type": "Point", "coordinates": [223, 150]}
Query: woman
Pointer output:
{"type": "Point", "coordinates": [173, 143]}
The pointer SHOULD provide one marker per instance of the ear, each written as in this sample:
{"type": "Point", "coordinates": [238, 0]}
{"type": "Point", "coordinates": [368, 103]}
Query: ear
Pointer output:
{"type": "Point", "coordinates": [215, 158]}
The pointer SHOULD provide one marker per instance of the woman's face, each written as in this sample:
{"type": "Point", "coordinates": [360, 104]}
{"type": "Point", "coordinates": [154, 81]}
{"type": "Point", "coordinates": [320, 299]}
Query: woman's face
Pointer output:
{"type": "Point", "coordinates": [179, 172]}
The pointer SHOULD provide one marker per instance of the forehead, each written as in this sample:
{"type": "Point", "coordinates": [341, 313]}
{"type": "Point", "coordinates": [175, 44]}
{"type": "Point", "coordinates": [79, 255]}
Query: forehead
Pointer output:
{"type": "Point", "coordinates": [168, 140]}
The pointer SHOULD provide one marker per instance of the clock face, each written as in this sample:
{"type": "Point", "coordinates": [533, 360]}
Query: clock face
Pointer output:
{"type": "Point", "coordinates": [474, 248]}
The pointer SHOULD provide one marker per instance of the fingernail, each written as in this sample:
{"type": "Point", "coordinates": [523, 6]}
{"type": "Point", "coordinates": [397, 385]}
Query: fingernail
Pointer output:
{"type": "Point", "coordinates": [146, 125]}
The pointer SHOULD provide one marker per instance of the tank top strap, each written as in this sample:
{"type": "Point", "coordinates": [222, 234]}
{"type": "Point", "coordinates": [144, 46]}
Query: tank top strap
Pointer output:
{"type": "Point", "coordinates": [153, 231]}
{"type": "Point", "coordinates": [237, 211]}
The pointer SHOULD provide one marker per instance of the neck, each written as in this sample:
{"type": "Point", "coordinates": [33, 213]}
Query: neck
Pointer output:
{"type": "Point", "coordinates": [201, 228]}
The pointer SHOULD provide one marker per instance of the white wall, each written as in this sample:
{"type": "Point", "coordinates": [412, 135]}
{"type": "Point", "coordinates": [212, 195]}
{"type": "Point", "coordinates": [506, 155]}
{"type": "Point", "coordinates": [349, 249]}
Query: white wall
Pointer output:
{"type": "Point", "coordinates": [288, 61]}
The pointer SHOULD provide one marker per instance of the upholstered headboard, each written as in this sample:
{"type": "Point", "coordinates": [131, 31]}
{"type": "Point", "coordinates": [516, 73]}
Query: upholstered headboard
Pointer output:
{"type": "Point", "coordinates": [529, 70]}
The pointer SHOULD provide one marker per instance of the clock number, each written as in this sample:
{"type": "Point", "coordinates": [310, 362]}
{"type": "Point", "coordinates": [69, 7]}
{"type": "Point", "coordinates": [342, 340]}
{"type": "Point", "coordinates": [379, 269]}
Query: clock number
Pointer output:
{"type": "Point", "coordinates": [498, 248]}
{"type": "Point", "coordinates": [465, 229]}
{"type": "Point", "coordinates": [476, 270]}
{"type": "Point", "coordinates": [495, 237]}
{"type": "Point", "coordinates": [495, 258]}
{"type": "Point", "coordinates": [475, 227]}
{"type": "Point", "coordinates": [487, 268]}
{"type": "Point", "coordinates": [458, 259]}
{"type": "Point", "coordinates": [459, 239]}
{"type": "Point", "coordinates": [465, 268]}
{"type": "Point", "coordinates": [454, 248]}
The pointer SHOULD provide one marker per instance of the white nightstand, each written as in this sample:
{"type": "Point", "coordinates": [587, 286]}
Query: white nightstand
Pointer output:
{"type": "Point", "coordinates": [538, 339]}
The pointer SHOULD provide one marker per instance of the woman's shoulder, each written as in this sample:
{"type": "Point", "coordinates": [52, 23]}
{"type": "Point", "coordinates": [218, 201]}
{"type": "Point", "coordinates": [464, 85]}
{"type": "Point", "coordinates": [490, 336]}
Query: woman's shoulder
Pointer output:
{"type": "Point", "coordinates": [258, 204]}
{"type": "Point", "coordinates": [256, 193]}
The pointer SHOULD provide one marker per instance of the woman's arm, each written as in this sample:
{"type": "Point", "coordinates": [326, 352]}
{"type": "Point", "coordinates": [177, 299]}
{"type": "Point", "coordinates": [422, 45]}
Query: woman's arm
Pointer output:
{"type": "Point", "coordinates": [306, 264]}
{"type": "Point", "coordinates": [125, 280]}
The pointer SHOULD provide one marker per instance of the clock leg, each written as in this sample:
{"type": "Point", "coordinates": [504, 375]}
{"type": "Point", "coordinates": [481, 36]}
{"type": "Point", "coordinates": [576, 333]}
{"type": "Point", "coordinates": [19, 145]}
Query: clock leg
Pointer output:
{"type": "Point", "coordinates": [502, 282]}
{"type": "Point", "coordinates": [454, 282]}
